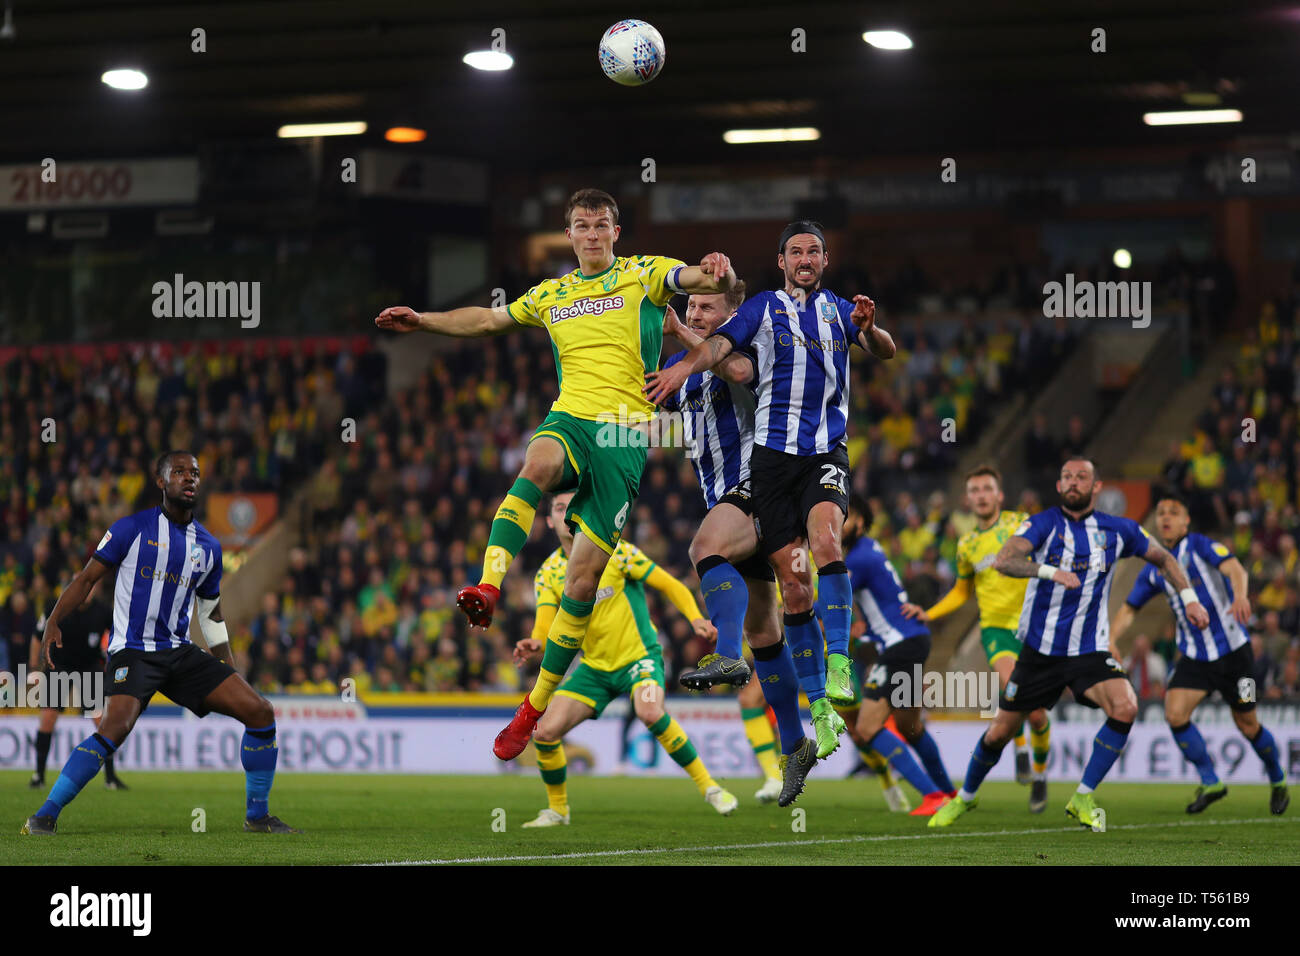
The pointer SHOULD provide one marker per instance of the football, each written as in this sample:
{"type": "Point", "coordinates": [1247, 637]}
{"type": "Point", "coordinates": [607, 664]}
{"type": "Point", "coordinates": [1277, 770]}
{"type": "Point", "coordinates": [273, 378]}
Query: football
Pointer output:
{"type": "Point", "coordinates": [632, 52]}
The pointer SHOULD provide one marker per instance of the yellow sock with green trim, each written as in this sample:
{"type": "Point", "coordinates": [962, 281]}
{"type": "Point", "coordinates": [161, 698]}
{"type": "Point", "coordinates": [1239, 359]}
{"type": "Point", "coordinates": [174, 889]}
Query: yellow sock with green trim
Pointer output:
{"type": "Point", "coordinates": [1020, 739]}
{"type": "Point", "coordinates": [510, 530]}
{"type": "Point", "coordinates": [1041, 742]}
{"type": "Point", "coordinates": [880, 765]}
{"type": "Point", "coordinates": [567, 633]}
{"type": "Point", "coordinates": [670, 735]}
{"type": "Point", "coordinates": [551, 761]}
{"type": "Point", "coordinates": [759, 733]}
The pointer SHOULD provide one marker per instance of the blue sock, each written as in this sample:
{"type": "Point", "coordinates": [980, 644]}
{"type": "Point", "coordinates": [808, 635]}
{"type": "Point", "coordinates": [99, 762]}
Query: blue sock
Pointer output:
{"type": "Point", "coordinates": [806, 645]}
{"type": "Point", "coordinates": [1106, 747]}
{"type": "Point", "coordinates": [258, 755]}
{"type": "Point", "coordinates": [774, 668]}
{"type": "Point", "coordinates": [1192, 744]}
{"type": "Point", "coordinates": [725, 598]}
{"type": "Point", "coordinates": [1266, 747]}
{"type": "Point", "coordinates": [982, 759]}
{"type": "Point", "coordinates": [80, 769]}
{"type": "Point", "coordinates": [928, 751]}
{"type": "Point", "coordinates": [835, 606]}
{"type": "Point", "coordinates": [891, 746]}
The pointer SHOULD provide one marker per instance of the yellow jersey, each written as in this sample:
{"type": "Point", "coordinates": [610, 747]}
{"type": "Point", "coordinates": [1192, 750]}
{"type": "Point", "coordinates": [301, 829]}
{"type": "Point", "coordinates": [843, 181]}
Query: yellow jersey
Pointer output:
{"type": "Point", "coordinates": [606, 333]}
{"type": "Point", "coordinates": [1000, 597]}
{"type": "Point", "coordinates": [619, 631]}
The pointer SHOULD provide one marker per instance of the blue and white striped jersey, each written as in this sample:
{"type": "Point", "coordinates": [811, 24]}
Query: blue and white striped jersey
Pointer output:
{"type": "Point", "coordinates": [1200, 558]}
{"type": "Point", "coordinates": [160, 565]}
{"type": "Point", "coordinates": [1063, 622]}
{"type": "Point", "coordinates": [880, 595]}
{"type": "Point", "coordinates": [803, 368]}
{"type": "Point", "coordinates": [718, 419]}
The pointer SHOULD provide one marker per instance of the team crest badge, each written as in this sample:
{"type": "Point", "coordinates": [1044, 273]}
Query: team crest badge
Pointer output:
{"type": "Point", "coordinates": [1012, 687]}
{"type": "Point", "coordinates": [826, 311]}
{"type": "Point", "coordinates": [119, 675]}
{"type": "Point", "coordinates": [1099, 539]}
{"type": "Point", "coordinates": [1246, 690]}
{"type": "Point", "coordinates": [196, 555]}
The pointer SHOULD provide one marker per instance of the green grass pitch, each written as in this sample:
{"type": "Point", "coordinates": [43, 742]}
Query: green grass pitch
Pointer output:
{"type": "Point", "coordinates": [636, 821]}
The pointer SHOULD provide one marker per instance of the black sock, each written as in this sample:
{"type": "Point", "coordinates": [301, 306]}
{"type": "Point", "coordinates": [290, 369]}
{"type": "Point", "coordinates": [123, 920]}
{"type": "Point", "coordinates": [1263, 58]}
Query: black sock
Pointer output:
{"type": "Point", "coordinates": [42, 751]}
{"type": "Point", "coordinates": [109, 773]}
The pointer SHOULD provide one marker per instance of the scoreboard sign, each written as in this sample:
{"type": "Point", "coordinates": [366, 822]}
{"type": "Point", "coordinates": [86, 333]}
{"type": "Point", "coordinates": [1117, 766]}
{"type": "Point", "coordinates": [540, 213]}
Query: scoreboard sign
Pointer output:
{"type": "Point", "coordinates": [108, 182]}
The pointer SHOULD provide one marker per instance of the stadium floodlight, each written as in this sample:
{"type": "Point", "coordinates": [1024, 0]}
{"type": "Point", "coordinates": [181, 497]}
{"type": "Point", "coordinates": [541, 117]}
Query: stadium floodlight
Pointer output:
{"type": "Point", "coordinates": [1122, 258]}
{"type": "Point", "coordinates": [125, 79]}
{"type": "Point", "coordinates": [488, 60]}
{"type": "Point", "coordinates": [294, 131]}
{"type": "Point", "coordinates": [888, 39]}
{"type": "Point", "coordinates": [405, 134]}
{"type": "Point", "coordinates": [791, 135]}
{"type": "Point", "coordinates": [1186, 117]}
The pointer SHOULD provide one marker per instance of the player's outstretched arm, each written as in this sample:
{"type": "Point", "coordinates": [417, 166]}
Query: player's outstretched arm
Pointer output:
{"type": "Point", "coordinates": [73, 596]}
{"type": "Point", "coordinates": [871, 336]}
{"type": "Point", "coordinates": [659, 385]}
{"type": "Point", "coordinates": [735, 368]}
{"type": "Point", "coordinates": [1013, 561]}
{"type": "Point", "coordinates": [1174, 574]}
{"type": "Point", "coordinates": [469, 322]}
{"type": "Point", "coordinates": [954, 599]}
{"type": "Point", "coordinates": [683, 600]}
{"type": "Point", "coordinates": [713, 274]}
{"type": "Point", "coordinates": [1240, 580]}
{"type": "Point", "coordinates": [1123, 621]}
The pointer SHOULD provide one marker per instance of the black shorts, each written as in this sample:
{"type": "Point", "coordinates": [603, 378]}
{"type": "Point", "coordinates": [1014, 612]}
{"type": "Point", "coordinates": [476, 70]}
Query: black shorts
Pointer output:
{"type": "Point", "coordinates": [185, 674]}
{"type": "Point", "coordinates": [901, 658]}
{"type": "Point", "coordinates": [787, 486]}
{"type": "Point", "coordinates": [1038, 680]}
{"type": "Point", "coordinates": [755, 567]}
{"type": "Point", "coordinates": [1230, 675]}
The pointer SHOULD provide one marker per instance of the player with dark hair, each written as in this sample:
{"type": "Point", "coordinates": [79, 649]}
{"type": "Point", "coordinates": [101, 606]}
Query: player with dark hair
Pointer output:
{"type": "Point", "coordinates": [1214, 657]}
{"type": "Point", "coordinates": [1000, 599]}
{"type": "Point", "coordinates": [799, 466]}
{"type": "Point", "coordinates": [605, 320]}
{"type": "Point", "coordinates": [1069, 553]}
{"type": "Point", "coordinates": [166, 562]}
{"type": "Point", "coordinates": [82, 656]}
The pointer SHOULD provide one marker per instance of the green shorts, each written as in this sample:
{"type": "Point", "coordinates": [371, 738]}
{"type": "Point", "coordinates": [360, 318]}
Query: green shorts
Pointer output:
{"type": "Point", "coordinates": [602, 465]}
{"type": "Point", "coordinates": [999, 642]}
{"type": "Point", "coordinates": [597, 688]}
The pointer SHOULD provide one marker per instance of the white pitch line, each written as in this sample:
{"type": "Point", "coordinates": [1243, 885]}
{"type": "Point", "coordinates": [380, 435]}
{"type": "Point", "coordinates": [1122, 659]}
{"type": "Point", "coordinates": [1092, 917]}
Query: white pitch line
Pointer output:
{"type": "Point", "coordinates": [823, 841]}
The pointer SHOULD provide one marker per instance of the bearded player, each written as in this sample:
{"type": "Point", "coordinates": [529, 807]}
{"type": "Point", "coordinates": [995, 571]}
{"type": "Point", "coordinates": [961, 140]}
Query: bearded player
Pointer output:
{"type": "Point", "coordinates": [1215, 657]}
{"type": "Point", "coordinates": [1000, 599]}
{"type": "Point", "coordinates": [1069, 554]}
{"type": "Point", "coordinates": [605, 320]}
{"type": "Point", "coordinates": [800, 337]}
{"type": "Point", "coordinates": [620, 656]}
{"type": "Point", "coordinates": [166, 562]}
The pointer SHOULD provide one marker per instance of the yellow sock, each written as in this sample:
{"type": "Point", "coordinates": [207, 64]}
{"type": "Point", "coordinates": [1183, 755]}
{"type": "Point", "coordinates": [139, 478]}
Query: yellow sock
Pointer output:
{"type": "Point", "coordinates": [551, 761]}
{"type": "Point", "coordinates": [1040, 742]}
{"type": "Point", "coordinates": [880, 765]}
{"type": "Point", "coordinates": [673, 739]}
{"type": "Point", "coordinates": [510, 529]}
{"type": "Point", "coordinates": [1020, 740]}
{"type": "Point", "coordinates": [567, 633]}
{"type": "Point", "coordinates": [761, 739]}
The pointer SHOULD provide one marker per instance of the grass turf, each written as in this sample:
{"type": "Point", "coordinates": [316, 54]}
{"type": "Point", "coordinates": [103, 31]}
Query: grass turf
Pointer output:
{"type": "Point", "coordinates": [376, 819]}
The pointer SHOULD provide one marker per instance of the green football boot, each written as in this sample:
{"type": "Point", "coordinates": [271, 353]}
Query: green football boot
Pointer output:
{"type": "Point", "coordinates": [839, 679]}
{"type": "Point", "coordinates": [1084, 809]}
{"type": "Point", "coordinates": [951, 810]}
{"type": "Point", "coordinates": [827, 725]}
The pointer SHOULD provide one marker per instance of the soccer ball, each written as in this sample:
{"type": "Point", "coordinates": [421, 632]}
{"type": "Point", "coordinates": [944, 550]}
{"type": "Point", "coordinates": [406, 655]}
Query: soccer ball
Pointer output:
{"type": "Point", "coordinates": [632, 52]}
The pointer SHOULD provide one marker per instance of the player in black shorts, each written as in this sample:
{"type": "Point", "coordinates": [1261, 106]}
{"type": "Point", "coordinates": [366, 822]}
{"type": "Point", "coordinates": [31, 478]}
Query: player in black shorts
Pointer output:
{"type": "Point", "coordinates": [81, 658]}
{"type": "Point", "coordinates": [167, 564]}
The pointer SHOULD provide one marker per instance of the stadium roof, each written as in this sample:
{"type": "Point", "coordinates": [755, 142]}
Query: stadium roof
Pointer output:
{"type": "Point", "coordinates": [1012, 74]}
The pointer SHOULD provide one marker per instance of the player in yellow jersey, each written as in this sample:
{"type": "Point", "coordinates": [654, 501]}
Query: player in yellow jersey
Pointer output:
{"type": "Point", "coordinates": [621, 655]}
{"type": "Point", "coordinates": [605, 320]}
{"type": "Point", "coordinates": [1000, 600]}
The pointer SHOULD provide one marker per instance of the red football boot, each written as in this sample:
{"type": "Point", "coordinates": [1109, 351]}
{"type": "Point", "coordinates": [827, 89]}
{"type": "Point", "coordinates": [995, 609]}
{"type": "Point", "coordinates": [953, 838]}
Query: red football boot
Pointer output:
{"type": "Point", "coordinates": [930, 805]}
{"type": "Point", "coordinates": [478, 601]}
{"type": "Point", "coordinates": [510, 743]}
